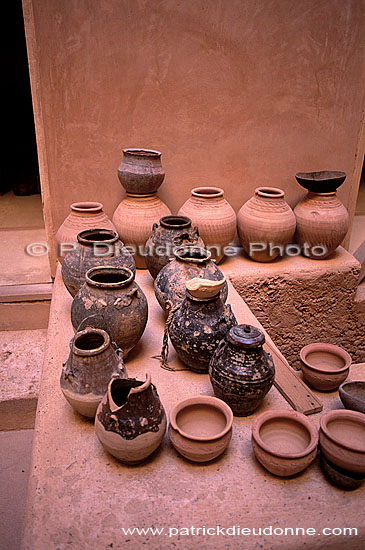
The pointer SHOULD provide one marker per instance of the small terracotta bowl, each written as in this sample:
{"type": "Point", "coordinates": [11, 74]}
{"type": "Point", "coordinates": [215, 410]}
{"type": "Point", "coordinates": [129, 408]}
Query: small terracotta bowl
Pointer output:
{"type": "Point", "coordinates": [342, 439]}
{"type": "Point", "coordinates": [201, 427]}
{"type": "Point", "coordinates": [325, 366]}
{"type": "Point", "coordinates": [284, 442]}
{"type": "Point", "coordinates": [340, 477]}
{"type": "Point", "coordinates": [352, 395]}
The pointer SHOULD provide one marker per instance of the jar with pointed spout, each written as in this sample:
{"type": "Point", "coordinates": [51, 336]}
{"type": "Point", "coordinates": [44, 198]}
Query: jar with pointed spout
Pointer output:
{"type": "Point", "coordinates": [130, 422]}
{"type": "Point", "coordinates": [200, 323]}
{"type": "Point", "coordinates": [96, 247]}
{"type": "Point", "coordinates": [111, 299]}
{"type": "Point", "coordinates": [188, 262]}
{"type": "Point", "coordinates": [93, 361]}
{"type": "Point", "coordinates": [170, 233]}
{"type": "Point", "coordinates": [240, 371]}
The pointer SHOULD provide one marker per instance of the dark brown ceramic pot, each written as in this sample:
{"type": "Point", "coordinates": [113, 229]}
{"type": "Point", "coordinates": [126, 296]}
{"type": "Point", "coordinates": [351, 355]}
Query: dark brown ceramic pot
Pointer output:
{"type": "Point", "coordinates": [189, 262]}
{"type": "Point", "coordinates": [170, 233]}
{"type": "Point", "coordinates": [92, 362]}
{"type": "Point", "coordinates": [110, 299]}
{"type": "Point", "coordinates": [141, 171]}
{"type": "Point", "coordinates": [130, 421]}
{"type": "Point", "coordinates": [240, 371]}
{"type": "Point", "coordinates": [198, 326]}
{"type": "Point", "coordinates": [96, 247]}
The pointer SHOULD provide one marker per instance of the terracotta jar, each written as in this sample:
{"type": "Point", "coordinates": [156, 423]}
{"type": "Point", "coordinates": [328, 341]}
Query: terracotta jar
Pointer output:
{"type": "Point", "coordinates": [189, 262]}
{"type": "Point", "coordinates": [96, 247]}
{"type": "Point", "coordinates": [266, 224]}
{"type": "Point", "coordinates": [170, 233]}
{"type": "Point", "coordinates": [240, 371]}
{"type": "Point", "coordinates": [92, 362]}
{"type": "Point", "coordinates": [83, 215]}
{"type": "Point", "coordinates": [110, 299]}
{"type": "Point", "coordinates": [130, 421]}
{"type": "Point", "coordinates": [134, 218]}
{"type": "Point", "coordinates": [214, 216]}
{"type": "Point", "coordinates": [199, 324]}
{"type": "Point", "coordinates": [141, 171]}
{"type": "Point", "coordinates": [322, 219]}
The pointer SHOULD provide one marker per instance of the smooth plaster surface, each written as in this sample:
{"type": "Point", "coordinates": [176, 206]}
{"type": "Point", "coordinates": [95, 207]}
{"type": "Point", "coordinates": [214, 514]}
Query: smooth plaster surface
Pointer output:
{"type": "Point", "coordinates": [235, 94]}
{"type": "Point", "coordinates": [80, 497]}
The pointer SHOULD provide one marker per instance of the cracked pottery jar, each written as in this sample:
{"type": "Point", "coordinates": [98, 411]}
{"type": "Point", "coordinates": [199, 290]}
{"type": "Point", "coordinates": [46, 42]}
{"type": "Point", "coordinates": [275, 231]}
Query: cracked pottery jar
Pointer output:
{"type": "Point", "coordinates": [96, 247]}
{"type": "Point", "coordinates": [214, 216]}
{"type": "Point", "coordinates": [200, 323]}
{"type": "Point", "coordinates": [171, 233]}
{"type": "Point", "coordinates": [240, 371]}
{"type": "Point", "coordinates": [189, 262]}
{"type": "Point", "coordinates": [322, 219]}
{"type": "Point", "coordinates": [130, 422]}
{"type": "Point", "coordinates": [110, 299]}
{"type": "Point", "coordinates": [264, 222]}
{"type": "Point", "coordinates": [83, 215]}
{"type": "Point", "coordinates": [134, 218]}
{"type": "Point", "coordinates": [92, 362]}
{"type": "Point", "coordinates": [141, 171]}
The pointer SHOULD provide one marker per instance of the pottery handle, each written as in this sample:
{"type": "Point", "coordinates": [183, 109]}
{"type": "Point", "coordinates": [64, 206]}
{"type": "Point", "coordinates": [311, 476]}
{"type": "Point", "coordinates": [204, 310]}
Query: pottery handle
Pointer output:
{"type": "Point", "coordinates": [154, 227]}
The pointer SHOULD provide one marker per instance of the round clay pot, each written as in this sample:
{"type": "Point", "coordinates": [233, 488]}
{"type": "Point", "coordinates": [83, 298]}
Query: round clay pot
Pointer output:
{"type": "Point", "coordinates": [96, 247]}
{"type": "Point", "coordinates": [214, 216]}
{"type": "Point", "coordinates": [134, 218]}
{"type": "Point", "coordinates": [171, 233]}
{"type": "Point", "coordinates": [189, 262]}
{"type": "Point", "coordinates": [322, 219]}
{"type": "Point", "coordinates": [284, 442]}
{"type": "Point", "coordinates": [110, 299]}
{"type": "Point", "coordinates": [342, 439]}
{"type": "Point", "coordinates": [324, 366]}
{"type": "Point", "coordinates": [130, 421]}
{"type": "Point", "coordinates": [83, 215]}
{"type": "Point", "coordinates": [141, 171]}
{"type": "Point", "coordinates": [340, 477]}
{"type": "Point", "coordinates": [91, 364]}
{"type": "Point", "coordinates": [352, 395]}
{"type": "Point", "coordinates": [200, 427]}
{"type": "Point", "coordinates": [266, 224]}
{"type": "Point", "coordinates": [240, 371]}
{"type": "Point", "coordinates": [197, 327]}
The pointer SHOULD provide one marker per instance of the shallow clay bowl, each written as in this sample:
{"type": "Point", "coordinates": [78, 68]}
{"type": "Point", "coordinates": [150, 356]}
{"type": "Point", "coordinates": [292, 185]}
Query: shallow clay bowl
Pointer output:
{"type": "Point", "coordinates": [324, 366]}
{"type": "Point", "coordinates": [324, 181]}
{"type": "Point", "coordinates": [201, 427]}
{"type": "Point", "coordinates": [342, 439]}
{"type": "Point", "coordinates": [340, 477]}
{"type": "Point", "coordinates": [352, 395]}
{"type": "Point", "coordinates": [284, 442]}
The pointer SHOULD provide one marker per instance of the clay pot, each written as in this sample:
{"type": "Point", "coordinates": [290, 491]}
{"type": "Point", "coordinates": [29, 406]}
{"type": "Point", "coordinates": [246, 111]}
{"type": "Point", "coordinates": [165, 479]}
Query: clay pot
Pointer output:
{"type": "Point", "coordinates": [134, 218]}
{"type": "Point", "coordinates": [200, 427]}
{"type": "Point", "coordinates": [92, 363]}
{"type": "Point", "coordinates": [189, 262]}
{"type": "Point", "coordinates": [322, 219]}
{"type": "Point", "coordinates": [130, 422]}
{"type": "Point", "coordinates": [96, 247]}
{"type": "Point", "coordinates": [340, 477]}
{"type": "Point", "coordinates": [110, 299]}
{"type": "Point", "coordinates": [284, 442]}
{"type": "Point", "coordinates": [352, 395]}
{"type": "Point", "coordinates": [198, 326]}
{"type": "Point", "coordinates": [342, 439]}
{"type": "Point", "coordinates": [240, 371]}
{"type": "Point", "coordinates": [214, 216]}
{"type": "Point", "coordinates": [83, 215]}
{"type": "Point", "coordinates": [324, 366]}
{"type": "Point", "coordinates": [171, 232]}
{"type": "Point", "coordinates": [266, 224]}
{"type": "Point", "coordinates": [141, 171]}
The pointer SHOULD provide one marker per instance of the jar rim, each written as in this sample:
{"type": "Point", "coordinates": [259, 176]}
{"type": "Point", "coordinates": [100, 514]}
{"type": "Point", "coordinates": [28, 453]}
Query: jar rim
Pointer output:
{"type": "Point", "coordinates": [207, 192]}
{"type": "Point", "coordinates": [270, 192]}
{"type": "Point", "coordinates": [123, 276]}
{"type": "Point", "coordinates": [182, 222]}
{"type": "Point", "coordinates": [205, 255]}
{"type": "Point", "coordinates": [85, 237]}
{"type": "Point", "coordinates": [140, 152]}
{"type": "Point", "coordinates": [85, 206]}
{"type": "Point", "coordinates": [84, 334]}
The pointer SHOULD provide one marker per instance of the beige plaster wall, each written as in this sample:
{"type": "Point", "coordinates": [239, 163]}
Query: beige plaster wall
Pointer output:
{"type": "Point", "coordinates": [235, 93]}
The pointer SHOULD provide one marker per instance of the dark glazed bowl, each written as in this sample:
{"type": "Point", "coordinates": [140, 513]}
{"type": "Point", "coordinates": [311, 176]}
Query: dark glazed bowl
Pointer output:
{"type": "Point", "coordinates": [352, 395]}
{"type": "Point", "coordinates": [340, 477]}
{"type": "Point", "coordinates": [324, 181]}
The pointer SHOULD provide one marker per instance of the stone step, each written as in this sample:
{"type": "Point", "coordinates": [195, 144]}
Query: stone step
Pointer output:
{"type": "Point", "coordinates": [25, 307]}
